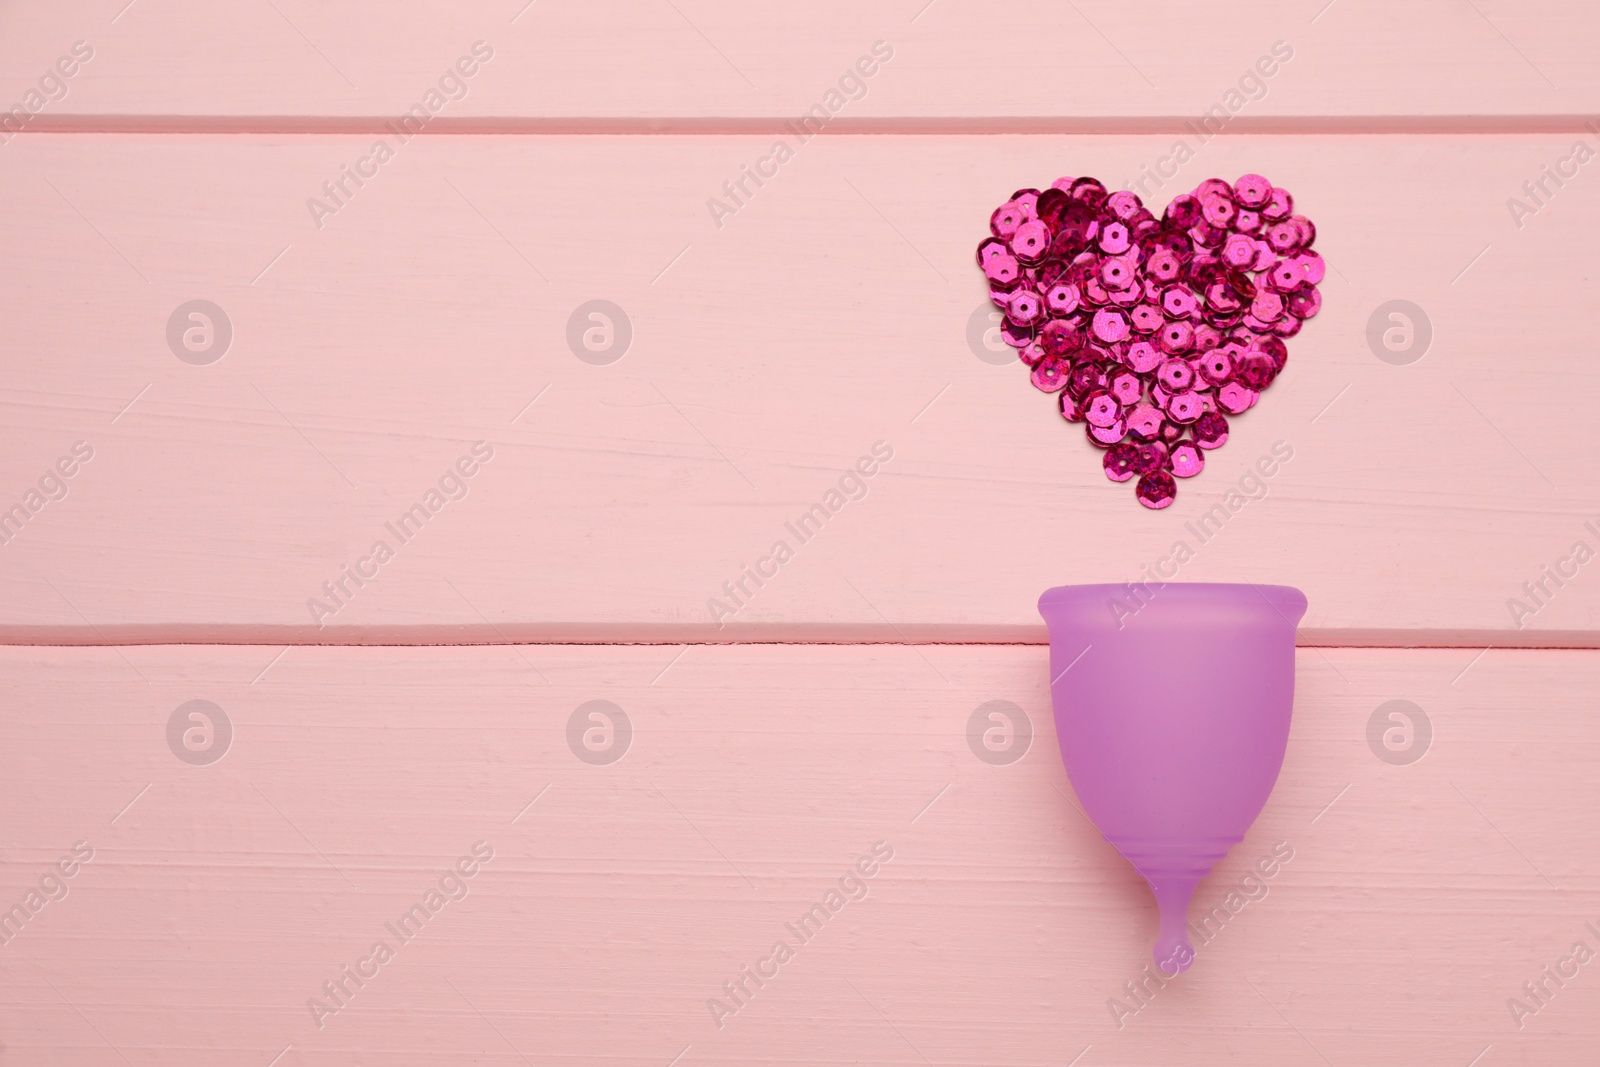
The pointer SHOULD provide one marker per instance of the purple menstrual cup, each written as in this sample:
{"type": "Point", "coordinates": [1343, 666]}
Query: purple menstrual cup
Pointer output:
{"type": "Point", "coordinates": [1172, 709]}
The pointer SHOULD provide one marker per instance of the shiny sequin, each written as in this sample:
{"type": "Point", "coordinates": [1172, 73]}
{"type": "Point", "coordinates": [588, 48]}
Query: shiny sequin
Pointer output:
{"type": "Point", "coordinates": [990, 248]}
{"type": "Point", "coordinates": [1100, 409]}
{"type": "Point", "coordinates": [1146, 319]}
{"type": "Point", "coordinates": [1114, 239]}
{"type": "Point", "coordinates": [1255, 371]}
{"type": "Point", "coordinates": [1239, 251]}
{"type": "Point", "coordinates": [1142, 357]}
{"type": "Point", "coordinates": [1266, 307]}
{"type": "Point", "coordinates": [1311, 266]}
{"type": "Point", "coordinates": [1151, 332]}
{"type": "Point", "coordinates": [1025, 307]}
{"type": "Point", "coordinates": [1110, 326]}
{"type": "Point", "coordinates": [1283, 236]}
{"type": "Point", "coordinates": [1176, 338]}
{"type": "Point", "coordinates": [1126, 387]}
{"type": "Point", "coordinates": [1216, 366]}
{"type": "Point", "coordinates": [1106, 436]}
{"type": "Point", "coordinates": [1062, 298]}
{"type": "Point", "coordinates": [1002, 269]}
{"type": "Point", "coordinates": [1085, 377]}
{"type": "Point", "coordinates": [1185, 407]}
{"type": "Point", "coordinates": [1252, 191]}
{"type": "Point", "coordinates": [1014, 335]}
{"type": "Point", "coordinates": [1050, 374]}
{"type": "Point", "coordinates": [1031, 241]}
{"type": "Point", "coordinates": [1236, 398]}
{"type": "Point", "coordinates": [1279, 205]}
{"type": "Point", "coordinates": [1006, 218]}
{"type": "Point", "coordinates": [1286, 275]}
{"type": "Point", "coordinates": [1069, 407]}
{"type": "Point", "coordinates": [1145, 421]}
{"type": "Point", "coordinates": [1179, 302]}
{"type": "Point", "coordinates": [1152, 456]}
{"type": "Point", "coordinates": [1061, 337]}
{"type": "Point", "coordinates": [1211, 430]}
{"type": "Point", "coordinates": [1174, 374]}
{"type": "Point", "coordinates": [1156, 490]}
{"type": "Point", "coordinates": [1119, 462]}
{"type": "Point", "coordinates": [1187, 459]}
{"type": "Point", "coordinates": [1304, 303]}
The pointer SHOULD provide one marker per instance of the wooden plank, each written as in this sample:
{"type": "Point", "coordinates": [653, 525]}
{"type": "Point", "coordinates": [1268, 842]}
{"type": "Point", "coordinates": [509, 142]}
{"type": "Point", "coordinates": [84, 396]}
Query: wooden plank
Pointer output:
{"type": "Point", "coordinates": [828, 317]}
{"type": "Point", "coordinates": [620, 897]}
{"type": "Point", "coordinates": [700, 58]}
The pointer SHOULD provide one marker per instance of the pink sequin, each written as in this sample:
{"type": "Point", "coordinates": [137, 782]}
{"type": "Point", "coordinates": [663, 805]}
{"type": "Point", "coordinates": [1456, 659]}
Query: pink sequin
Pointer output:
{"type": "Point", "coordinates": [1283, 236]}
{"type": "Point", "coordinates": [1050, 374]}
{"type": "Point", "coordinates": [1062, 298]}
{"type": "Point", "coordinates": [1304, 303]}
{"type": "Point", "coordinates": [990, 248]}
{"type": "Point", "coordinates": [1061, 337]}
{"type": "Point", "coordinates": [1142, 356]}
{"type": "Point", "coordinates": [1174, 374]}
{"type": "Point", "coordinates": [1069, 407]}
{"type": "Point", "coordinates": [1126, 387]}
{"type": "Point", "coordinates": [1286, 275]}
{"type": "Point", "coordinates": [1176, 338]}
{"type": "Point", "coordinates": [1110, 325]}
{"type": "Point", "coordinates": [1211, 430]}
{"type": "Point", "coordinates": [1179, 302]}
{"type": "Point", "coordinates": [1239, 251]}
{"type": "Point", "coordinates": [1006, 218]}
{"type": "Point", "coordinates": [1100, 409]}
{"type": "Point", "coordinates": [1187, 459]}
{"type": "Point", "coordinates": [1119, 462]}
{"type": "Point", "coordinates": [1266, 307]}
{"type": "Point", "coordinates": [1014, 335]}
{"type": "Point", "coordinates": [1106, 436]}
{"type": "Point", "coordinates": [1116, 273]}
{"type": "Point", "coordinates": [1163, 264]}
{"type": "Point", "coordinates": [1311, 266]}
{"type": "Point", "coordinates": [1145, 421]}
{"type": "Point", "coordinates": [1002, 269]}
{"type": "Point", "coordinates": [1031, 241]}
{"type": "Point", "coordinates": [1185, 407]}
{"type": "Point", "coordinates": [1279, 205]}
{"type": "Point", "coordinates": [1124, 205]}
{"type": "Point", "coordinates": [1156, 490]}
{"type": "Point", "coordinates": [1235, 398]}
{"type": "Point", "coordinates": [1114, 239]}
{"type": "Point", "coordinates": [1146, 319]}
{"type": "Point", "coordinates": [1152, 456]}
{"type": "Point", "coordinates": [1252, 191]}
{"type": "Point", "coordinates": [1216, 366]}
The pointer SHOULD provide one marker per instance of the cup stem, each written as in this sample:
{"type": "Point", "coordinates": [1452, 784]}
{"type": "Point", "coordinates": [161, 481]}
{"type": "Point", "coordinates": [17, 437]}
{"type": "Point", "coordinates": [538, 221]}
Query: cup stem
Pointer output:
{"type": "Point", "coordinates": [1173, 952]}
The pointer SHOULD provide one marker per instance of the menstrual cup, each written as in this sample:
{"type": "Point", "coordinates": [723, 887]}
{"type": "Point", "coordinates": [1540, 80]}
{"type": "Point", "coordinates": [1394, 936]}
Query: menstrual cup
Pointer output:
{"type": "Point", "coordinates": [1172, 707]}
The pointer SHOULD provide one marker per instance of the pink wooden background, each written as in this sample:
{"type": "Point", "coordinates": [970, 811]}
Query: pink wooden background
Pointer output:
{"type": "Point", "coordinates": [160, 152]}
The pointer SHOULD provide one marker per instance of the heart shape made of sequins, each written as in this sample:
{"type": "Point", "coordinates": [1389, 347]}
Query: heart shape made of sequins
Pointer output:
{"type": "Point", "coordinates": [1152, 331]}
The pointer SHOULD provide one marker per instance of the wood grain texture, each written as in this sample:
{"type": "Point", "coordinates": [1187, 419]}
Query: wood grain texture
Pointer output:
{"type": "Point", "coordinates": [697, 58]}
{"type": "Point", "coordinates": [769, 355]}
{"type": "Point", "coordinates": [219, 898]}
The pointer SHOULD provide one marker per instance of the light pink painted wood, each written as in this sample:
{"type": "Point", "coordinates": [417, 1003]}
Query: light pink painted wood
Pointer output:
{"type": "Point", "coordinates": [769, 356]}
{"type": "Point", "coordinates": [1418, 898]}
{"type": "Point", "coordinates": [697, 58]}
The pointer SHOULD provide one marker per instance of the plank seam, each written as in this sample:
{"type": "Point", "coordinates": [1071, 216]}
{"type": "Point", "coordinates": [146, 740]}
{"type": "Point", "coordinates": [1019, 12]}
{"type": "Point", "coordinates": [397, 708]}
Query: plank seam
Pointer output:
{"type": "Point", "coordinates": [931, 125]}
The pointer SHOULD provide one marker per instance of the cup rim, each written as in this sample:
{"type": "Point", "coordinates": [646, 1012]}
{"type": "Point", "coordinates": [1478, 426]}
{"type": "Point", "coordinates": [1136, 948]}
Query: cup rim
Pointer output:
{"type": "Point", "coordinates": [1286, 599]}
